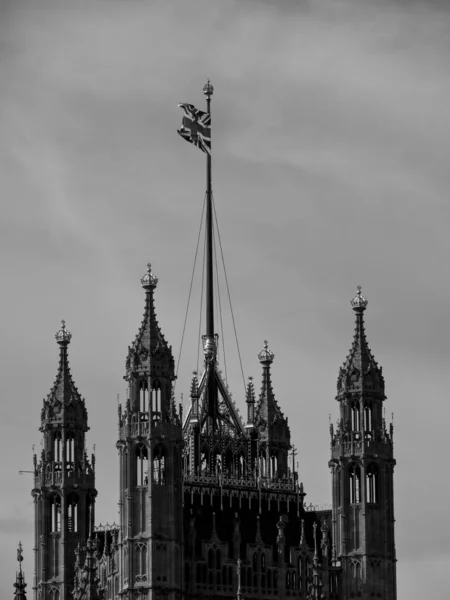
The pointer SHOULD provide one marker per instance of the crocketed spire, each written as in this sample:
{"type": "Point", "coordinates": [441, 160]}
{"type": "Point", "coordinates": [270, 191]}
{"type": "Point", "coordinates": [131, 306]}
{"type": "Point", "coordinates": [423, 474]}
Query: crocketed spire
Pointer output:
{"type": "Point", "coordinates": [20, 585]}
{"type": "Point", "coordinates": [64, 400]}
{"type": "Point", "coordinates": [267, 409]}
{"type": "Point", "coordinates": [360, 372]}
{"type": "Point", "coordinates": [149, 353]}
{"type": "Point", "coordinates": [63, 390]}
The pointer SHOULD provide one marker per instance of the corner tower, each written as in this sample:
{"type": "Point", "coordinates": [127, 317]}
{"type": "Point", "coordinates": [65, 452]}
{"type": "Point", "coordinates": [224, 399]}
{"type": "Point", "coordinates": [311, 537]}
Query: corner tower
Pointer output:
{"type": "Point", "coordinates": [64, 483]}
{"type": "Point", "coordinates": [362, 467]}
{"type": "Point", "coordinates": [150, 450]}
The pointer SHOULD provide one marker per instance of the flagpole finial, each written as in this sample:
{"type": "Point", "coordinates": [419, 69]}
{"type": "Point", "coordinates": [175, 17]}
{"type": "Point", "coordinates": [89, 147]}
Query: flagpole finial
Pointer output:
{"type": "Point", "coordinates": [208, 90]}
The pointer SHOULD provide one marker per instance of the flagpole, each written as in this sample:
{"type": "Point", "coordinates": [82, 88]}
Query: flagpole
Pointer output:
{"type": "Point", "coordinates": [208, 91]}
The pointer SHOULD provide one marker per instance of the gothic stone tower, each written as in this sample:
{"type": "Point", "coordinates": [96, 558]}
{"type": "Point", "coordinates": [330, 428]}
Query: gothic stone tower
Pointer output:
{"type": "Point", "coordinates": [64, 484]}
{"type": "Point", "coordinates": [362, 467]}
{"type": "Point", "coordinates": [150, 450]}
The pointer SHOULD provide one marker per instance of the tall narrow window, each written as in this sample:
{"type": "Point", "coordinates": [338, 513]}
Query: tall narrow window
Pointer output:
{"type": "Point", "coordinates": [156, 404]}
{"type": "Point", "coordinates": [55, 509]}
{"type": "Point", "coordinates": [141, 465]}
{"type": "Point", "coordinates": [57, 447]}
{"type": "Point", "coordinates": [143, 399]}
{"type": "Point", "coordinates": [372, 484]}
{"type": "Point", "coordinates": [368, 417]}
{"type": "Point", "coordinates": [355, 417]}
{"type": "Point", "coordinates": [70, 450]}
{"type": "Point", "coordinates": [142, 558]}
{"type": "Point", "coordinates": [159, 465]}
{"type": "Point", "coordinates": [301, 572]}
{"type": "Point", "coordinates": [354, 472]}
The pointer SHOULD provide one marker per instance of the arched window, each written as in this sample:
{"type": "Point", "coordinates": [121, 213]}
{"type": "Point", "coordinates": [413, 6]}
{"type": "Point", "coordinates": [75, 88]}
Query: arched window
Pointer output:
{"type": "Point", "coordinates": [263, 563]}
{"type": "Point", "coordinates": [143, 400]}
{"type": "Point", "coordinates": [354, 472]}
{"type": "Point", "coordinates": [55, 509]}
{"type": "Point", "coordinates": [70, 450]}
{"type": "Point", "coordinates": [372, 484]}
{"type": "Point", "coordinates": [141, 465]}
{"type": "Point", "coordinates": [72, 513]}
{"type": "Point", "coordinates": [156, 404]}
{"type": "Point", "coordinates": [368, 417]}
{"type": "Point", "coordinates": [356, 425]}
{"type": "Point", "coordinates": [159, 465]}
{"type": "Point", "coordinates": [57, 447]}
{"type": "Point", "coordinates": [218, 559]}
{"type": "Point", "coordinates": [54, 593]}
{"type": "Point", "coordinates": [141, 547]}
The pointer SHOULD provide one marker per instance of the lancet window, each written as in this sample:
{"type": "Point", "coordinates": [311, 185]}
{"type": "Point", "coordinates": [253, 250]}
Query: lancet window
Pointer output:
{"type": "Point", "coordinates": [354, 472]}
{"type": "Point", "coordinates": [70, 450]}
{"type": "Point", "coordinates": [141, 465]}
{"type": "Point", "coordinates": [141, 548]}
{"type": "Point", "coordinates": [143, 400]}
{"type": "Point", "coordinates": [372, 484]}
{"type": "Point", "coordinates": [356, 422]}
{"type": "Point", "coordinates": [55, 510]}
{"type": "Point", "coordinates": [156, 405]}
{"type": "Point", "coordinates": [368, 417]}
{"type": "Point", "coordinates": [159, 465]}
{"type": "Point", "coordinates": [54, 593]}
{"type": "Point", "coordinates": [57, 450]}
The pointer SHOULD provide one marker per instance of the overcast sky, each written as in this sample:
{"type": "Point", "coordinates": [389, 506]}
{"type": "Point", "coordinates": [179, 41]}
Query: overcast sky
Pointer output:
{"type": "Point", "coordinates": [331, 122]}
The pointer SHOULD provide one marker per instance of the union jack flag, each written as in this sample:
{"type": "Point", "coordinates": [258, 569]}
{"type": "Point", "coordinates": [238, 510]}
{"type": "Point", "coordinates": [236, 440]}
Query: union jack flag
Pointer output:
{"type": "Point", "coordinates": [196, 127]}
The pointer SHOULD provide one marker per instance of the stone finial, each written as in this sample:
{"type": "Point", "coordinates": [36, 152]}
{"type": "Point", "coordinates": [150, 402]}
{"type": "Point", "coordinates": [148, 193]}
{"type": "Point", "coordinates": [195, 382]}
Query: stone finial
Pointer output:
{"type": "Point", "coordinates": [62, 336]}
{"type": "Point", "coordinates": [266, 357]}
{"type": "Point", "coordinates": [359, 303]}
{"type": "Point", "coordinates": [149, 281]}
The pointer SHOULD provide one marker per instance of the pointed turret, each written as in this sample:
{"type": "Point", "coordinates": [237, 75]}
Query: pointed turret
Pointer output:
{"type": "Point", "coordinates": [64, 482]}
{"type": "Point", "coordinates": [362, 466]}
{"type": "Point", "coordinates": [20, 585]}
{"type": "Point", "coordinates": [150, 451]}
{"type": "Point", "coordinates": [273, 429]}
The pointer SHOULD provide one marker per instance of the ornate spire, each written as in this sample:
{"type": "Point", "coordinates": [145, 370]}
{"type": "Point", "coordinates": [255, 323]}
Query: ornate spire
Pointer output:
{"type": "Point", "coordinates": [360, 372]}
{"type": "Point", "coordinates": [267, 410]}
{"type": "Point", "coordinates": [64, 391]}
{"type": "Point", "coordinates": [20, 585]}
{"type": "Point", "coordinates": [149, 352]}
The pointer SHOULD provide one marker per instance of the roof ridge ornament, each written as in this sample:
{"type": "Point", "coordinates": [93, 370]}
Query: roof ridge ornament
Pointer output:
{"type": "Point", "coordinates": [359, 302]}
{"type": "Point", "coordinates": [149, 280]}
{"type": "Point", "coordinates": [62, 336]}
